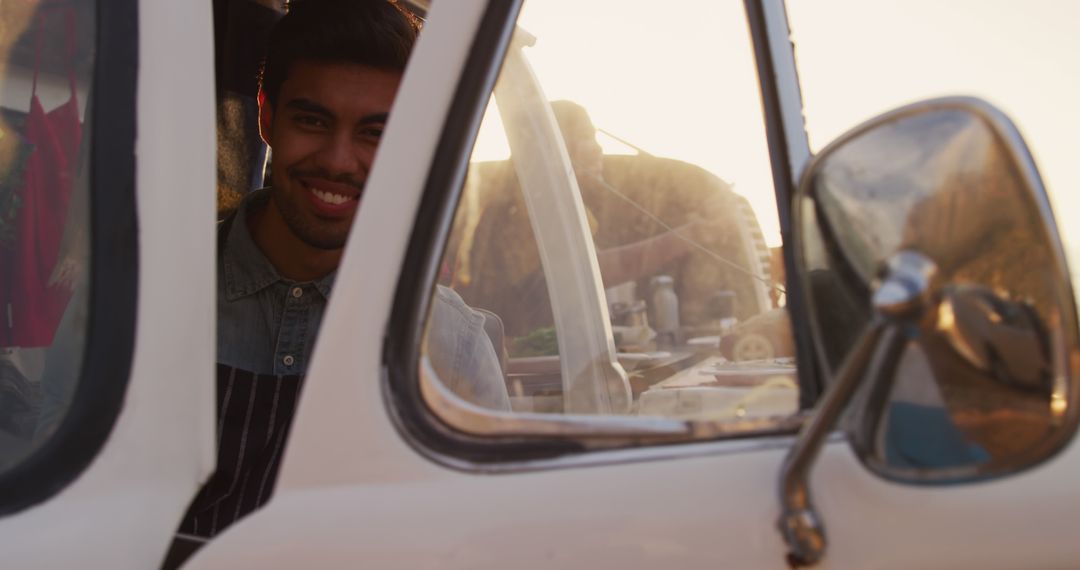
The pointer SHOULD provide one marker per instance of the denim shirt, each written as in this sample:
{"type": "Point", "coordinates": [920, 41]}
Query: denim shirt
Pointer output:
{"type": "Point", "coordinates": [266, 324]}
{"type": "Point", "coordinates": [462, 352]}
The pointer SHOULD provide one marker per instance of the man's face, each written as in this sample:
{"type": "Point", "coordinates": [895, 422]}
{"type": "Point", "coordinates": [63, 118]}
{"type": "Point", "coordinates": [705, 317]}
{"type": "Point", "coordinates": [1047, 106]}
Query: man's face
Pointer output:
{"type": "Point", "coordinates": [323, 131]}
{"type": "Point", "coordinates": [585, 153]}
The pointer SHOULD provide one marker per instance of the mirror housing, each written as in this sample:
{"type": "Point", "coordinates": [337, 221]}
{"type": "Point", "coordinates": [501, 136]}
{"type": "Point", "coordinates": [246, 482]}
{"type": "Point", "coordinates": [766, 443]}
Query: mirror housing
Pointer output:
{"type": "Point", "coordinates": [939, 301]}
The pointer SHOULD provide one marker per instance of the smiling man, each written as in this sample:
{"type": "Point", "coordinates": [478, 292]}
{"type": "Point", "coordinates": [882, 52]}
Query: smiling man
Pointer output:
{"type": "Point", "coordinates": [324, 127]}
{"type": "Point", "coordinates": [330, 76]}
{"type": "Point", "coordinates": [331, 73]}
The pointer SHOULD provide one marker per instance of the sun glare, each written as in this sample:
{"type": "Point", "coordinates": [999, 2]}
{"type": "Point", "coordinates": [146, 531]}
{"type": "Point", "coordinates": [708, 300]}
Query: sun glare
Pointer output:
{"type": "Point", "coordinates": [680, 82]}
{"type": "Point", "coordinates": [676, 83]}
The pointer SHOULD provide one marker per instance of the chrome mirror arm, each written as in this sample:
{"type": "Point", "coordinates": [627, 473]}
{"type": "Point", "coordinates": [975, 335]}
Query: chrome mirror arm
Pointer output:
{"type": "Point", "coordinates": [899, 301]}
{"type": "Point", "coordinates": [799, 522]}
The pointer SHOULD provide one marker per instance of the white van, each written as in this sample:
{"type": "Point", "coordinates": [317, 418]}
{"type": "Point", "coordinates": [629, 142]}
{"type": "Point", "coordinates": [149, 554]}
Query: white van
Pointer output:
{"type": "Point", "coordinates": [893, 314]}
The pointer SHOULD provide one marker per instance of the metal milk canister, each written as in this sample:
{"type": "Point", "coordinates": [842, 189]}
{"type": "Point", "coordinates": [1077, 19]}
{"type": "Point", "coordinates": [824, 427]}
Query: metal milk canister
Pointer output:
{"type": "Point", "coordinates": [665, 306]}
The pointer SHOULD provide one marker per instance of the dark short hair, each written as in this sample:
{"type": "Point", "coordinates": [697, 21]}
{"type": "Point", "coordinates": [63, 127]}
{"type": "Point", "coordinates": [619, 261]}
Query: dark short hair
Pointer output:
{"type": "Point", "coordinates": [373, 33]}
{"type": "Point", "coordinates": [573, 119]}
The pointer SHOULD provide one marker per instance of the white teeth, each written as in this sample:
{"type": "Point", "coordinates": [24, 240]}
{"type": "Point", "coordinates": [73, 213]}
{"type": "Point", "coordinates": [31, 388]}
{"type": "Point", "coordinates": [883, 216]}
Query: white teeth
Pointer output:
{"type": "Point", "coordinates": [329, 198]}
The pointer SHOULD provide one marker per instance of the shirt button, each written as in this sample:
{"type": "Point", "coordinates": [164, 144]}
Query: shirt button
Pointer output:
{"type": "Point", "coordinates": [297, 292]}
{"type": "Point", "coordinates": [288, 360]}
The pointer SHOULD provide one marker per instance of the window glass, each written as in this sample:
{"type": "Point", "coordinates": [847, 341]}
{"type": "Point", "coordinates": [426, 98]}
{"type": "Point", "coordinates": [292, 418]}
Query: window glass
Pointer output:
{"type": "Point", "coordinates": [616, 247]}
{"type": "Point", "coordinates": [46, 62]}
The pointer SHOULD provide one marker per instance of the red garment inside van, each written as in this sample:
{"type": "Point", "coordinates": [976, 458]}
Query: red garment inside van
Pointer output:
{"type": "Point", "coordinates": [30, 308]}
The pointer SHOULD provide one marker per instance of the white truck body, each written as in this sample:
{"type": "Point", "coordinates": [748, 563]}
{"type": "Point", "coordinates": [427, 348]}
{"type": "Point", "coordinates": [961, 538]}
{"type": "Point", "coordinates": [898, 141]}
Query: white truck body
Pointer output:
{"type": "Point", "coordinates": [355, 491]}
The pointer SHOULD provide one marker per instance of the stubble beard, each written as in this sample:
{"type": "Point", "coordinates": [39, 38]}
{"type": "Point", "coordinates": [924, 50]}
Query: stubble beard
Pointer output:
{"type": "Point", "coordinates": [306, 230]}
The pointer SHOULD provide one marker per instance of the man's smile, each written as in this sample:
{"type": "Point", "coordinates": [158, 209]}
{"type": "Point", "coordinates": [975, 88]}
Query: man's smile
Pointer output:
{"type": "Point", "coordinates": [330, 197]}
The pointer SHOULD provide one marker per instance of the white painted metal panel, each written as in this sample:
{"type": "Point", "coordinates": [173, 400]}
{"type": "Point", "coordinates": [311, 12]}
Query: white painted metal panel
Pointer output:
{"type": "Point", "coordinates": [122, 511]}
{"type": "Point", "coordinates": [713, 510]}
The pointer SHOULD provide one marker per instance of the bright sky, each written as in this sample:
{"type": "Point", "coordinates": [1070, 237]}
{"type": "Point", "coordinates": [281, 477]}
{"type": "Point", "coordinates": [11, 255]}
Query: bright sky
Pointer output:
{"type": "Point", "coordinates": [859, 58]}
{"type": "Point", "coordinates": [678, 79]}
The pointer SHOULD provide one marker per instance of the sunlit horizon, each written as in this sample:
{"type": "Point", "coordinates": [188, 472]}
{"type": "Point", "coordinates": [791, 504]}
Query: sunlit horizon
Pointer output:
{"type": "Point", "coordinates": [644, 83]}
{"type": "Point", "coordinates": [856, 60]}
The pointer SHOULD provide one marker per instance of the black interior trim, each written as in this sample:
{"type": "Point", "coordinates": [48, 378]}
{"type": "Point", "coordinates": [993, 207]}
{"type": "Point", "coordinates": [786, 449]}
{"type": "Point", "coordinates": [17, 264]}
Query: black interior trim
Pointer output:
{"type": "Point", "coordinates": [110, 338]}
{"type": "Point", "coordinates": [810, 386]}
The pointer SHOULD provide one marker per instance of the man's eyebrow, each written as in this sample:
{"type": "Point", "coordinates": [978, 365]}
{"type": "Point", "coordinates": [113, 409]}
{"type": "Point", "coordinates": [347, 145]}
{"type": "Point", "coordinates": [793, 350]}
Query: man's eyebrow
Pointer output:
{"type": "Point", "coordinates": [309, 106]}
{"type": "Point", "coordinates": [373, 119]}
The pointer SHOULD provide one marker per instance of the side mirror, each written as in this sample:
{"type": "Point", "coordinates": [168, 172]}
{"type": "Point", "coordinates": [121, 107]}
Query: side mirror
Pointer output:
{"type": "Point", "coordinates": [939, 299]}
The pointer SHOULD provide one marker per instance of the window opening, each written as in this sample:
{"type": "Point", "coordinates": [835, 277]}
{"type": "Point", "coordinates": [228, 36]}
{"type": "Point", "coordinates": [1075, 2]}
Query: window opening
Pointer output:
{"type": "Point", "coordinates": [608, 267]}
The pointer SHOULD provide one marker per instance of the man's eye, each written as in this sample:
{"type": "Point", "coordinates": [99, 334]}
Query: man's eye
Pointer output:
{"type": "Point", "coordinates": [309, 121]}
{"type": "Point", "coordinates": [372, 132]}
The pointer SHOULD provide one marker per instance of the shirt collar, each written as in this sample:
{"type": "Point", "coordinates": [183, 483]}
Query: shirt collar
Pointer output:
{"type": "Point", "coordinates": [247, 270]}
{"type": "Point", "coordinates": [325, 284]}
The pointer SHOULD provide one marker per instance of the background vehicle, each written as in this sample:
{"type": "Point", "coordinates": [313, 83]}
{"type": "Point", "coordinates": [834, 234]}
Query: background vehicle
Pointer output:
{"type": "Point", "coordinates": [384, 466]}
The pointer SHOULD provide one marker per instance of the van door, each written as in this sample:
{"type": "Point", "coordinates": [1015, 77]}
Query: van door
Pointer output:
{"type": "Point", "coordinates": [107, 277]}
{"type": "Point", "coordinates": [393, 464]}
{"type": "Point", "coordinates": [406, 454]}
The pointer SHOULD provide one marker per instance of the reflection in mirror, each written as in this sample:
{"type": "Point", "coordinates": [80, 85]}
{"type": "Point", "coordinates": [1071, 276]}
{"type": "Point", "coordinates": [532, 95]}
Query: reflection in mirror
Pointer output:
{"type": "Point", "coordinates": [996, 396]}
{"type": "Point", "coordinates": [981, 386]}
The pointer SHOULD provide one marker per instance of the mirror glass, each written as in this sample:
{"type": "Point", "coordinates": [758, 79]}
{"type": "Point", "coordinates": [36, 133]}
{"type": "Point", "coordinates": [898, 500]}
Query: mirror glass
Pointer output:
{"type": "Point", "coordinates": [981, 384]}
